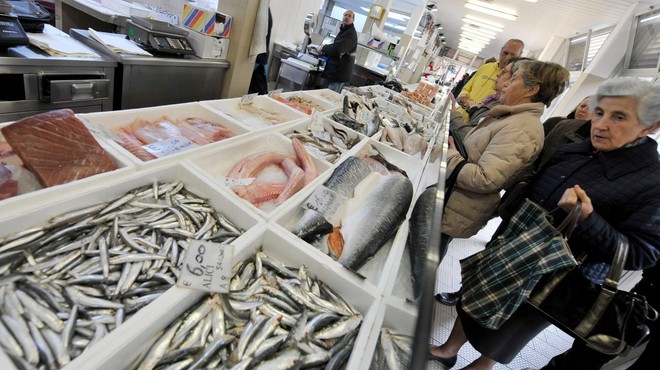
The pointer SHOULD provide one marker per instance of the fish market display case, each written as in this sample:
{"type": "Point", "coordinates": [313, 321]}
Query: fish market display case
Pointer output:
{"type": "Point", "coordinates": [33, 82]}
{"type": "Point", "coordinates": [377, 297]}
{"type": "Point", "coordinates": [151, 81]}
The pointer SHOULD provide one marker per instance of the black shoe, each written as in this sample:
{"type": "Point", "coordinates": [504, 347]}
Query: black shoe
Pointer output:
{"type": "Point", "coordinates": [447, 362]}
{"type": "Point", "coordinates": [448, 299]}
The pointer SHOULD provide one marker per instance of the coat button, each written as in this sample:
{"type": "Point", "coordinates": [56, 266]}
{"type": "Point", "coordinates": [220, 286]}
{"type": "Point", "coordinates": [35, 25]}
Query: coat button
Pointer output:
{"type": "Point", "coordinates": [562, 177]}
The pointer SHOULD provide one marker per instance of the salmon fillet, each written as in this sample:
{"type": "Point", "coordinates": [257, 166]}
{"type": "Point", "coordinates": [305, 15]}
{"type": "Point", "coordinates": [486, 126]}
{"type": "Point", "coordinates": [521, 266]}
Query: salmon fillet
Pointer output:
{"type": "Point", "coordinates": [8, 187]}
{"type": "Point", "coordinates": [57, 147]}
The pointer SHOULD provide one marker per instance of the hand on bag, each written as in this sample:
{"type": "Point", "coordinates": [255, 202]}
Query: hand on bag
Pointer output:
{"type": "Point", "coordinates": [462, 100]}
{"type": "Point", "coordinates": [570, 197]}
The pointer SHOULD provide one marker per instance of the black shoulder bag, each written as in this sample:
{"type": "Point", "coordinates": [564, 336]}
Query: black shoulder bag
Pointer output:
{"type": "Point", "coordinates": [608, 320]}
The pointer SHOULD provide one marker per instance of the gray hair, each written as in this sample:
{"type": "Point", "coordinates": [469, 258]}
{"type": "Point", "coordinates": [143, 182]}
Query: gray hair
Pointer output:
{"type": "Point", "coordinates": [645, 94]}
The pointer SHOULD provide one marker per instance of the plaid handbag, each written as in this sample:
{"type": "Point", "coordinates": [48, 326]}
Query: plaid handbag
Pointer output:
{"type": "Point", "coordinates": [497, 280]}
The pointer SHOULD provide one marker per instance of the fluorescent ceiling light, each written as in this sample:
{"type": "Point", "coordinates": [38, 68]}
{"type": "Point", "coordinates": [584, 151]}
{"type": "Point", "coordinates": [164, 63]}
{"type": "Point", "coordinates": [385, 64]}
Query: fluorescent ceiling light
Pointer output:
{"type": "Point", "coordinates": [469, 50]}
{"type": "Point", "coordinates": [478, 35]}
{"type": "Point", "coordinates": [470, 43]}
{"type": "Point", "coordinates": [655, 16]}
{"type": "Point", "coordinates": [492, 9]}
{"type": "Point", "coordinates": [483, 21]}
{"type": "Point", "coordinates": [398, 16]}
{"type": "Point", "coordinates": [475, 40]}
{"type": "Point", "coordinates": [479, 31]}
{"type": "Point", "coordinates": [481, 25]}
{"type": "Point", "coordinates": [532, 1]}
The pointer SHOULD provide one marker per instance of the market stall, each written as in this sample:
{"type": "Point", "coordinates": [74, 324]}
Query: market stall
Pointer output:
{"type": "Point", "coordinates": [182, 190]}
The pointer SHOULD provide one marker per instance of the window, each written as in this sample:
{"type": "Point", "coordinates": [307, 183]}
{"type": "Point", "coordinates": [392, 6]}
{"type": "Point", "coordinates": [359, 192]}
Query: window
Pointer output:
{"type": "Point", "coordinates": [646, 45]}
{"type": "Point", "coordinates": [593, 40]}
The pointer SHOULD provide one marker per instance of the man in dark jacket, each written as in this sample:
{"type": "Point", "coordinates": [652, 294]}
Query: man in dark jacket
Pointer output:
{"type": "Point", "coordinates": [341, 54]}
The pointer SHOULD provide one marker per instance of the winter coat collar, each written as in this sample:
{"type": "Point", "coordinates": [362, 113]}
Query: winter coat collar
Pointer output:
{"type": "Point", "coordinates": [622, 161]}
{"type": "Point", "coordinates": [502, 110]}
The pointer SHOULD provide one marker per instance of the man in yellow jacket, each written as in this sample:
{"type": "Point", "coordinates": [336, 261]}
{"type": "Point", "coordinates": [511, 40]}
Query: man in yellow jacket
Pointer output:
{"type": "Point", "coordinates": [481, 84]}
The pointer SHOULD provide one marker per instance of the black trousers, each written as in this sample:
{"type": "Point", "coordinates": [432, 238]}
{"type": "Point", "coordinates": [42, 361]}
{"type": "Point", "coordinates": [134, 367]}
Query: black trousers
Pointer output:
{"type": "Point", "coordinates": [258, 83]}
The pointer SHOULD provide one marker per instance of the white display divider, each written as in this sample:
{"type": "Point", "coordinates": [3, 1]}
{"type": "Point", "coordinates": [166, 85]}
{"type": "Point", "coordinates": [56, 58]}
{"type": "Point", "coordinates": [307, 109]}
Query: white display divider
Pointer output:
{"type": "Point", "coordinates": [396, 109]}
{"type": "Point", "coordinates": [233, 109]}
{"type": "Point", "coordinates": [327, 108]}
{"type": "Point", "coordinates": [216, 164]}
{"type": "Point", "coordinates": [110, 121]}
{"type": "Point", "coordinates": [13, 206]}
{"type": "Point", "coordinates": [84, 196]}
{"type": "Point", "coordinates": [303, 127]}
{"type": "Point", "coordinates": [328, 95]}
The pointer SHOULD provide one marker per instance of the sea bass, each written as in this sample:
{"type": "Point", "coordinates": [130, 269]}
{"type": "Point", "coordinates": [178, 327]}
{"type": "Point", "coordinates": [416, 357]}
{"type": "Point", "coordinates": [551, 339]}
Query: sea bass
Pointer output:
{"type": "Point", "coordinates": [343, 181]}
{"type": "Point", "coordinates": [372, 216]}
{"type": "Point", "coordinates": [420, 235]}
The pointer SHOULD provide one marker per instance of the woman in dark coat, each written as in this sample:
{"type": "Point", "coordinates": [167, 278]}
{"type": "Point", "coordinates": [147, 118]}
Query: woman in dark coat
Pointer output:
{"type": "Point", "coordinates": [616, 175]}
{"type": "Point", "coordinates": [341, 54]}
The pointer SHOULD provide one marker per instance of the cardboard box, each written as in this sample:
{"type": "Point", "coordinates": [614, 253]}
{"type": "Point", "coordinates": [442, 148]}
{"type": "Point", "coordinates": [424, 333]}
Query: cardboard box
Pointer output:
{"type": "Point", "coordinates": [207, 46]}
{"type": "Point", "coordinates": [206, 21]}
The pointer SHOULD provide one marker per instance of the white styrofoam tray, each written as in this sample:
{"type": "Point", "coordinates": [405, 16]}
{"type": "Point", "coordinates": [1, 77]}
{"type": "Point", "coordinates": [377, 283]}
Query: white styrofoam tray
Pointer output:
{"type": "Point", "coordinates": [304, 127]}
{"type": "Point", "coordinates": [325, 107]}
{"type": "Point", "coordinates": [123, 347]}
{"type": "Point", "coordinates": [232, 107]}
{"type": "Point", "coordinates": [27, 199]}
{"type": "Point", "coordinates": [328, 95]}
{"type": "Point", "coordinates": [217, 164]}
{"type": "Point", "coordinates": [105, 122]}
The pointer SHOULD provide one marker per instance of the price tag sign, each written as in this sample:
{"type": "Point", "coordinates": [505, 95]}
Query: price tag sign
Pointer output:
{"type": "Point", "coordinates": [328, 203]}
{"type": "Point", "coordinates": [274, 93]}
{"type": "Point", "coordinates": [247, 99]}
{"type": "Point", "coordinates": [317, 122]}
{"type": "Point", "coordinates": [174, 145]}
{"type": "Point", "coordinates": [237, 182]}
{"type": "Point", "coordinates": [207, 266]}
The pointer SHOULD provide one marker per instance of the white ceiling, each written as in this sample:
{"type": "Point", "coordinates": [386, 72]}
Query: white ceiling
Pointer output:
{"type": "Point", "coordinates": [536, 22]}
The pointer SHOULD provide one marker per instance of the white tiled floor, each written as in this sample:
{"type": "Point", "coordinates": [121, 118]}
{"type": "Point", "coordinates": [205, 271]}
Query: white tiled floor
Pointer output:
{"type": "Point", "coordinates": [535, 355]}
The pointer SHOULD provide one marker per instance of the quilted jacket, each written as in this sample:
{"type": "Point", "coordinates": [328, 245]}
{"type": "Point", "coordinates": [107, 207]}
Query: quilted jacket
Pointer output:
{"type": "Point", "coordinates": [624, 187]}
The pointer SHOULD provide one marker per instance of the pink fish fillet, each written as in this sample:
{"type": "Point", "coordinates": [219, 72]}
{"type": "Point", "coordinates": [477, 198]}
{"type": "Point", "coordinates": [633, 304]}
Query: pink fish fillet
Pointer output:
{"type": "Point", "coordinates": [192, 134]}
{"type": "Point", "coordinates": [152, 132]}
{"type": "Point", "coordinates": [133, 145]}
{"type": "Point", "coordinates": [259, 192]}
{"type": "Point", "coordinates": [305, 160]}
{"type": "Point", "coordinates": [252, 165]}
{"type": "Point", "coordinates": [210, 130]}
{"type": "Point", "coordinates": [8, 187]}
{"type": "Point", "coordinates": [296, 180]}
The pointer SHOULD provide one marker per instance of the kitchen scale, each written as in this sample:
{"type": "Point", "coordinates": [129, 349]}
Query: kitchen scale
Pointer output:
{"type": "Point", "coordinates": [158, 36]}
{"type": "Point", "coordinates": [11, 31]}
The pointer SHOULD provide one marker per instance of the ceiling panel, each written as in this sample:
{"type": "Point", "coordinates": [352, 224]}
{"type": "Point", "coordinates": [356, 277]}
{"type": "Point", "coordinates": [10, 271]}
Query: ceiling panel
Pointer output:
{"type": "Point", "coordinates": [536, 22]}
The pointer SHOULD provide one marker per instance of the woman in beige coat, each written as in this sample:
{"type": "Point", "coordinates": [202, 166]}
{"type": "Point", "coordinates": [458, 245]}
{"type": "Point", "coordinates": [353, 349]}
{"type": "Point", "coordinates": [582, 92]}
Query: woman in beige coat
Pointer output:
{"type": "Point", "coordinates": [502, 147]}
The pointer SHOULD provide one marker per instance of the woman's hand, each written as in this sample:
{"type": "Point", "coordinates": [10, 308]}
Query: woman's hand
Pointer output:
{"type": "Point", "coordinates": [570, 197]}
{"type": "Point", "coordinates": [451, 143]}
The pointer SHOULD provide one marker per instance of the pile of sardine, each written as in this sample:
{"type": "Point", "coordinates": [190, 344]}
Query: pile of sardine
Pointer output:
{"type": "Point", "coordinates": [328, 144]}
{"type": "Point", "coordinates": [273, 318]}
{"type": "Point", "coordinates": [65, 285]}
{"type": "Point", "coordinates": [393, 351]}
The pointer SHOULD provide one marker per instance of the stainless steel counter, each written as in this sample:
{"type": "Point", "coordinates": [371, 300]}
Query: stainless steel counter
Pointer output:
{"type": "Point", "coordinates": [33, 82]}
{"type": "Point", "coordinates": [150, 81]}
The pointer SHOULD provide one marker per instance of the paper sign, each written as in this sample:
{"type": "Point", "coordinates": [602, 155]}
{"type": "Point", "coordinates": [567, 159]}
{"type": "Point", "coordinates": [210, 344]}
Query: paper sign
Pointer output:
{"type": "Point", "coordinates": [100, 131]}
{"type": "Point", "coordinates": [207, 266]}
{"type": "Point", "coordinates": [274, 93]}
{"type": "Point", "coordinates": [328, 203]}
{"type": "Point", "coordinates": [317, 122]}
{"type": "Point", "coordinates": [247, 99]}
{"type": "Point", "coordinates": [237, 182]}
{"type": "Point", "coordinates": [174, 145]}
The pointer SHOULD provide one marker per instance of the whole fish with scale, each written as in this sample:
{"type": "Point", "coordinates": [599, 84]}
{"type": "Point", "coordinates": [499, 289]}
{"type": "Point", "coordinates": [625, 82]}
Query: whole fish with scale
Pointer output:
{"type": "Point", "coordinates": [67, 284]}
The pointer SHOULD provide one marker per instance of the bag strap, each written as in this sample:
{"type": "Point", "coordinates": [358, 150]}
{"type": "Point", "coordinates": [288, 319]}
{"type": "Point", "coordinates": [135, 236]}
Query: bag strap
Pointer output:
{"type": "Point", "coordinates": [608, 290]}
{"type": "Point", "coordinates": [567, 226]}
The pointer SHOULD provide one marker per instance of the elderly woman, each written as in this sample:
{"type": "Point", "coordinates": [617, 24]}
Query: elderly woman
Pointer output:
{"type": "Point", "coordinates": [502, 147]}
{"type": "Point", "coordinates": [616, 176]}
{"type": "Point", "coordinates": [580, 113]}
